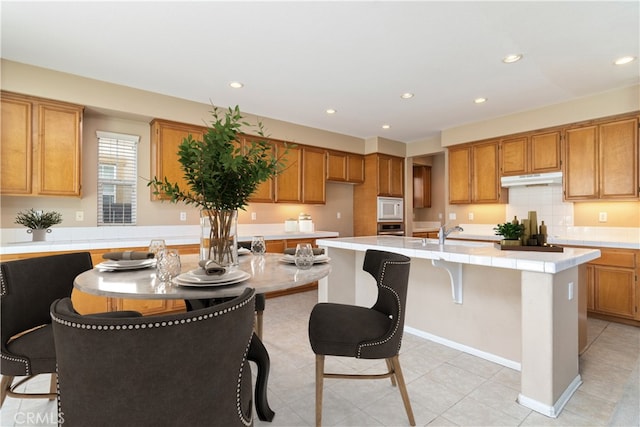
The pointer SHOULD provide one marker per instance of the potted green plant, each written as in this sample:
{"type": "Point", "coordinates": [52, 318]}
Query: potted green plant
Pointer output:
{"type": "Point", "coordinates": [38, 222]}
{"type": "Point", "coordinates": [221, 175]}
{"type": "Point", "coordinates": [511, 233]}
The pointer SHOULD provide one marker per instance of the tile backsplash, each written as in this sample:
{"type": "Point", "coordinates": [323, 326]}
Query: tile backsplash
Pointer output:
{"type": "Point", "coordinates": [547, 202]}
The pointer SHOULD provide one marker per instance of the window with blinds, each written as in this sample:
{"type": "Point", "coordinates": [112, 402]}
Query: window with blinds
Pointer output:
{"type": "Point", "coordinates": [117, 177]}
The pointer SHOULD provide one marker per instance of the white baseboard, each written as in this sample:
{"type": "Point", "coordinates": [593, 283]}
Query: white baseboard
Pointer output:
{"type": "Point", "coordinates": [551, 411]}
{"type": "Point", "coordinates": [465, 348]}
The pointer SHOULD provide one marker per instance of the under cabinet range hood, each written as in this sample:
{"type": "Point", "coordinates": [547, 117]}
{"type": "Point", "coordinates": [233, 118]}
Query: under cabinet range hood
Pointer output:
{"type": "Point", "coordinates": [551, 178]}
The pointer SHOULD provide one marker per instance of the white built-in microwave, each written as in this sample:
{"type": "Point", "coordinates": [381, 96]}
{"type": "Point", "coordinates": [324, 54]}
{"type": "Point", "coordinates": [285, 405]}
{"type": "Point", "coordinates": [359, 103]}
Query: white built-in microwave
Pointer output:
{"type": "Point", "coordinates": [390, 209]}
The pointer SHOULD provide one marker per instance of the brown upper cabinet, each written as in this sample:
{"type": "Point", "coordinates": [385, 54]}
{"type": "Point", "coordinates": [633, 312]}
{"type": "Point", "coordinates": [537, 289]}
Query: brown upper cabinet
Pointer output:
{"type": "Point", "coordinates": [40, 146]}
{"type": "Point", "coordinates": [531, 153]}
{"type": "Point", "coordinates": [304, 176]}
{"type": "Point", "coordinates": [288, 183]}
{"type": "Point", "coordinates": [295, 184]}
{"type": "Point", "coordinates": [345, 167]}
{"type": "Point", "coordinates": [460, 175]}
{"type": "Point", "coordinates": [265, 192]}
{"type": "Point", "coordinates": [390, 175]}
{"type": "Point", "coordinates": [166, 136]}
{"type": "Point", "coordinates": [473, 174]}
{"type": "Point", "coordinates": [602, 161]}
{"type": "Point", "coordinates": [314, 175]}
{"type": "Point", "coordinates": [421, 186]}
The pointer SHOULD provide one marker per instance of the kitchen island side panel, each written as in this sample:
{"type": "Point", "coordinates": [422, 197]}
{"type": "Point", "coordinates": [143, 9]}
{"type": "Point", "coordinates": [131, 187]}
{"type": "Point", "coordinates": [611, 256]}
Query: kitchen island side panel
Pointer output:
{"type": "Point", "coordinates": [489, 318]}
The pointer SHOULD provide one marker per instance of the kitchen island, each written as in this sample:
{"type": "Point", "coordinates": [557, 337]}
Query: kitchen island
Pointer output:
{"type": "Point", "coordinates": [519, 309]}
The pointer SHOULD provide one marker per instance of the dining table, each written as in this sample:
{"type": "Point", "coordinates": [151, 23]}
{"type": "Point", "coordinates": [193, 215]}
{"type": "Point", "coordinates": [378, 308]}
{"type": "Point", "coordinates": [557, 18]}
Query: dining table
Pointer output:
{"type": "Point", "coordinates": [265, 273]}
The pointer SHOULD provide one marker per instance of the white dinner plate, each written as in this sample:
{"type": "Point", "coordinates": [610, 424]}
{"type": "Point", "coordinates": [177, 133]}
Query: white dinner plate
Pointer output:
{"type": "Point", "coordinates": [200, 278]}
{"type": "Point", "coordinates": [318, 259]}
{"type": "Point", "coordinates": [133, 264]}
{"type": "Point", "coordinates": [243, 251]}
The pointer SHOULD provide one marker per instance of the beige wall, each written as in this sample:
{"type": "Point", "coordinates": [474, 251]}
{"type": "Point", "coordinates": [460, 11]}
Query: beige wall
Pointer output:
{"type": "Point", "coordinates": [438, 198]}
{"type": "Point", "coordinates": [619, 101]}
{"type": "Point", "coordinates": [620, 214]}
{"type": "Point", "coordinates": [115, 108]}
{"type": "Point", "coordinates": [121, 109]}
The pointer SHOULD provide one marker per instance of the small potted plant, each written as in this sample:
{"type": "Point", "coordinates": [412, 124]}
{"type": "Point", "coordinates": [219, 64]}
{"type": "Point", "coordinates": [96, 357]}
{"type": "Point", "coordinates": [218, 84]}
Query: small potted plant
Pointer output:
{"type": "Point", "coordinates": [38, 222]}
{"type": "Point", "coordinates": [511, 233]}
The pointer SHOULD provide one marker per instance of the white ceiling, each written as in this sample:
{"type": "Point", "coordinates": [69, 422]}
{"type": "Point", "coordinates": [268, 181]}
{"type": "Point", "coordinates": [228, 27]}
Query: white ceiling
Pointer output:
{"type": "Point", "coordinates": [297, 59]}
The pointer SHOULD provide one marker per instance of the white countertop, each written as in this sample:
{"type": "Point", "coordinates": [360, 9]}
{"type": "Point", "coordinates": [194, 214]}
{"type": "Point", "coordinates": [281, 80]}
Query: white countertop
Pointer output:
{"type": "Point", "coordinates": [599, 237]}
{"type": "Point", "coordinates": [475, 253]}
{"type": "Point", "coordinates": [78, 239]}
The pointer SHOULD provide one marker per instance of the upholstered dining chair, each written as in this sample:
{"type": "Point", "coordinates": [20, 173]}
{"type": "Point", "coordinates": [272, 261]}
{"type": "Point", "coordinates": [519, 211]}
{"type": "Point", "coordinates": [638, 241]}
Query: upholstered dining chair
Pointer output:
{"type": "Point", "coordinates": [27, 289]}
{"type": "Point", "coordinates": [365, 333]}
{"type": "Point", "coordinates": [181, 369]}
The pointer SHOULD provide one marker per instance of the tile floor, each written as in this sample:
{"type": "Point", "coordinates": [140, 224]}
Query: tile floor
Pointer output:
{"type": "Point", "coordinates": [446, 387]}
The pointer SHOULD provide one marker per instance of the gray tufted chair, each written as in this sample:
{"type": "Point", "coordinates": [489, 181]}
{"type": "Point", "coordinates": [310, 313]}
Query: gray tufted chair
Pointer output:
{"type": "Point", "coordinates": [27, 289]}
{"type": "Point", "coordinates": [183, 369]}
{"type": "Point", "coordinates": [365, 333]}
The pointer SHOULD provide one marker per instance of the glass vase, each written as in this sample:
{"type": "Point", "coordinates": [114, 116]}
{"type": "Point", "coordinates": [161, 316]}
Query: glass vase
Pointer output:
{"type": "Point", "coordinates": [219, 238]}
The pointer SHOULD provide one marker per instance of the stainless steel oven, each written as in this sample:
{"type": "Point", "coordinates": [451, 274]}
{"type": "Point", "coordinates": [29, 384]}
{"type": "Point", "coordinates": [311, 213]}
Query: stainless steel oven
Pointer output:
{"type": "Point", "coordinates": [390, 229]}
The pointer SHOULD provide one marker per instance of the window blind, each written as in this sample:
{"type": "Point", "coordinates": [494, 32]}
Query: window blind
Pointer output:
{"type": "Point", "coordinates": [117, 178]}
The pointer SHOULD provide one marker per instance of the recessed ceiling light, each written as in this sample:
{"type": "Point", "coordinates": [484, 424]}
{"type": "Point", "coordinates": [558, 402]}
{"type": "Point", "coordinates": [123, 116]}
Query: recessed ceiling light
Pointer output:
{"type": "Point", "coordinates": [330, 111]}
{"type": "Point", "coordinates": [509, 59]}
{"type": "Point", "coordinates": [386, 126]}
{"type": "Point", "coordinates": [480, 100]}
{"type": "Point", "coordinates": [624, 60]}
{"type": "Point", "coordinates": [236, 85]}
{"type": "Point", "coordinates": [406, 95]}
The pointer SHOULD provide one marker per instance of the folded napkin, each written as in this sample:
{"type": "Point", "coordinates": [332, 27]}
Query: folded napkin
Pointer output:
{"type": "Point", "coordinates": [212, 268]}
{"type": "Point", "coordinates": [127, 255]}
{"type": "Point", "coordinates": [292, 251]}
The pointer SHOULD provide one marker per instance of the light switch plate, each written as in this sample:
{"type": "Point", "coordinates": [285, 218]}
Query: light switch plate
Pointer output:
{"type": "Point", "coordinates": [452, 216]}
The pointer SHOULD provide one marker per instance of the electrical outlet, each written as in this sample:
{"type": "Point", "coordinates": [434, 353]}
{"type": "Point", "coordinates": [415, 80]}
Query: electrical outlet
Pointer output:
{"type": "Point", "coordinates": [439, 215]}
{"type": "Point", "coordinates": [253, 216]}
{"type": "Point", "coordinates": [79, 215]}
{"type": "Point", "coordinates": [602, 217]}
{"type": "Point", "coordinates": [453, 216]}
{"type": "Point", "coordinates": [338, 215]}
{"type": "Point", "coordinates": [470, 216]}
{"type": "Point", "coordinates": [570, 291]}
{"type": "Point", "coordinates": [183, 216]}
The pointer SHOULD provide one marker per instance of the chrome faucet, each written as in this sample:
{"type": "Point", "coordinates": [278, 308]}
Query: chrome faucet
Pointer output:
{"type": "Point", "coordinates": [442, 235]}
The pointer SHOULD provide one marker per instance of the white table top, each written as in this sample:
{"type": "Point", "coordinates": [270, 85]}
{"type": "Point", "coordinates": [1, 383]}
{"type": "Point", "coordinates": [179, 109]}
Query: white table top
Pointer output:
{"type": "Point", "coordinates": [268, 273]}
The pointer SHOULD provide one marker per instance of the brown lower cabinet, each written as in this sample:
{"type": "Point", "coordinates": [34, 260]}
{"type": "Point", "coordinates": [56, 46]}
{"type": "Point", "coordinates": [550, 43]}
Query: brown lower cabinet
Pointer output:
{"type": "Point", "coordinates": [612, 286]}
{"type": "Point", "coordinates": [426, 234]}
{"type": "Point", "coordinates": [86, 303]}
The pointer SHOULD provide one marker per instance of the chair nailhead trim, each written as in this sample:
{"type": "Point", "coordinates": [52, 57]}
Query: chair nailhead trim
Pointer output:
{"type": "Point", "coordinates": [3, 284]}
{"type": "Point", "coordinates": [150, 325]}
{"type": "Point", "coordinates": [395, 294]}
{"type": "Point", "coordinates": [246, 421]}
{"type": "Point", "coordinates": [27, 366]}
